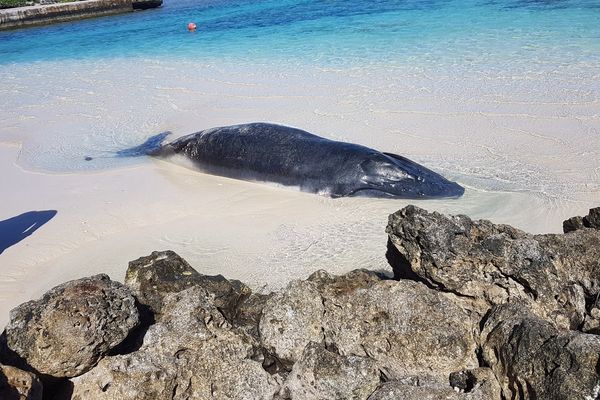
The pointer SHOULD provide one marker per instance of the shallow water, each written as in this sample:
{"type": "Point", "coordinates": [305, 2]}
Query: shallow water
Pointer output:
{"type": "Point", "coordinates": [436, 33]}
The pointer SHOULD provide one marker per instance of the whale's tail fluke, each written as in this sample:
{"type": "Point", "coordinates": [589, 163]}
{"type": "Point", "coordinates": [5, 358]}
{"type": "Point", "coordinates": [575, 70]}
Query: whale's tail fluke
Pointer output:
{"type": "Point", "coordinates": [149, 148]}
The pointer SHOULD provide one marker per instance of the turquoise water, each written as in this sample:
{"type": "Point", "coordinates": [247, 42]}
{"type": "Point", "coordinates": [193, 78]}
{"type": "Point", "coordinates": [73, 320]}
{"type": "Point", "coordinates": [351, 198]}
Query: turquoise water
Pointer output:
{"type": "Point", "coordinates": [437, 33]}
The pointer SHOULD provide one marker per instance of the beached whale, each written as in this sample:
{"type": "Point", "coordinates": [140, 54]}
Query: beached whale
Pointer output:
{"type": "Point", "coordinates": [292, 157]}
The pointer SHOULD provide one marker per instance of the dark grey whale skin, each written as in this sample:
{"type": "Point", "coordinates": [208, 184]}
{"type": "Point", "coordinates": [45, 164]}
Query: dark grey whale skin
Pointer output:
{"type": "Point", "coordinates": [292, 157]}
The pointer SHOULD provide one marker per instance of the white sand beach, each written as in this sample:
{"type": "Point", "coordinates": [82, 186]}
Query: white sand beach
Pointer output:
{"type": "Point", "coordinates": [526, 147]}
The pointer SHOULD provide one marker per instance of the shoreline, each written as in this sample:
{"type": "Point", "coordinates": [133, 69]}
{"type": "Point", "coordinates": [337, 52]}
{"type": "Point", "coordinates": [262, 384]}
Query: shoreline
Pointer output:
{"type": "Point", "coordinates": [263, 235]}
{"type": "Point", "coordinates": [23, 17]}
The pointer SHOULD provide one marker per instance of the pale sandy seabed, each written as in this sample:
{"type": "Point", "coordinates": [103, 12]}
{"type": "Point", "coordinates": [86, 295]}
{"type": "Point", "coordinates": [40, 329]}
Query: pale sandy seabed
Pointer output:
{"type": "Point", "coordinates": [526, 146]}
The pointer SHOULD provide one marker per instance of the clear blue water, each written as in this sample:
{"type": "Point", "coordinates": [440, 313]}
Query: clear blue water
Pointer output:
{"type": "Point", "coordinates": [433, 32]}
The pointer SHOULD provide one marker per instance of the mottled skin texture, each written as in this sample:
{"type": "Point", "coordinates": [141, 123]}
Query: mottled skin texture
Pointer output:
{"type": "Point", "coordinates": [292, 157]}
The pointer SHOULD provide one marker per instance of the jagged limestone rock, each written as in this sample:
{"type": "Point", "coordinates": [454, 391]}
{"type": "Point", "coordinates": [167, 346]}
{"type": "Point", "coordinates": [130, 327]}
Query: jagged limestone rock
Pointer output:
{"type": "Point", "coordinates": [534, 360]}
{"type": "Point", "coordinates": [488, 264]}
{"type": "Point", "coordinates": [72, 326]}
{"type": "Point", "coordinates": [573, 224]}
{"type": "Point", "coordinates": [480, 385]}
{"type": "Point", "coordinates": [592, 220]}
{"type": "Point", "coordinates": [193, 352]}
{"type": "Point", "coordinates": [334, 285]}
{"type": "Point", "coordinates": [153, 277]}
{"type": "Point", "coordinates": [405, 327]}
{"type": "Point", "coordinates": [322, 374]}
{"type": "Point", "coordinates": [470, 293]}
{"type": "Point", "coordinates": [16, 384]}
{"type": "Point", "coordinates": [291, 319]}
{"type": "Point", "coordinates": [248, 313]}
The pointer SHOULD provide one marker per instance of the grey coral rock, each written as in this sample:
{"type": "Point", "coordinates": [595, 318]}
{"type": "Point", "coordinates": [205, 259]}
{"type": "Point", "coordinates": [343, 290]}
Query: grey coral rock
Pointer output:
{"type": "Point", "coordinates": [478, 311]}
{"type": "Point", "coordinates": [322, 374]}
{"type": "Point", "coordinates": [16, 384]}
{"type": "Point", "coordinates": [191, 353]}
{"type": "Point", "coordinates": [592, 220]}
{"type": "Point", "coordinates": [291, 319]}
{"type": "Point", "coordinates": [155, 276]}
{"type": "Point", "coordinates": [405, 327]}
{"type": "Point", "coordinates": [487, 264]}
{"type": "Point", "coordinates": [401, 325]}
{"type": "Point", "coordinates": [483, 386]}
{"type": "Point", "coordinates": [533, 359]}
{"type": "Point", "coordinates": [72, 326]}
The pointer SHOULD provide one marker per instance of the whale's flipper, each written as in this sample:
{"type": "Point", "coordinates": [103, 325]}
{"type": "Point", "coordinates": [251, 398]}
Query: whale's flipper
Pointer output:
{"type": "Point", "coordinates": [148, 148]}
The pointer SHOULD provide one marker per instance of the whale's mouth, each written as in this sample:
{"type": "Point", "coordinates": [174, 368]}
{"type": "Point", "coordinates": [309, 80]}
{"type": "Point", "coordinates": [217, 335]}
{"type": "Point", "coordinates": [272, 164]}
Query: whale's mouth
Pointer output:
{"type": "Point", "coordinates": [370, 192]}
{"type": "Point", "coordinates": [451, 190]}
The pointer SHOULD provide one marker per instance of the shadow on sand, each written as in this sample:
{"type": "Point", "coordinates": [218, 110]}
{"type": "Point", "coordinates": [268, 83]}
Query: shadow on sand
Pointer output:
{"type": "Point", "coordinates": [15, 229]}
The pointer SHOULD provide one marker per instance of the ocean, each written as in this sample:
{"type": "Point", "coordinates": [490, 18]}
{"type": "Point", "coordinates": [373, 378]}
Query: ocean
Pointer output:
{"type": "Point", "coordinates": [503, 35]}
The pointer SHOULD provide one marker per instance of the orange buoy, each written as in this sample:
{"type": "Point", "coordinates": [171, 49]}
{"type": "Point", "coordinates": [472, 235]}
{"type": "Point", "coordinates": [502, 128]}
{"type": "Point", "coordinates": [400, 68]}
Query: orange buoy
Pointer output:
{"type": "Point", "coordinates": [191, 27]}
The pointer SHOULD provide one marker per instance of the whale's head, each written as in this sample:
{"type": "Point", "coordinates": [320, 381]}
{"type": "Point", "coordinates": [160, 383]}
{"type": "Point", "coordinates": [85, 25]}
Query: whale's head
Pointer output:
{"type": "Point", "coordinates": [392, 176]}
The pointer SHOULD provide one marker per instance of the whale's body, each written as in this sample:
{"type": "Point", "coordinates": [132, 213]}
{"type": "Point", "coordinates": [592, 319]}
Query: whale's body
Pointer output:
{"type": "Point", "coordinates": [292, 157]}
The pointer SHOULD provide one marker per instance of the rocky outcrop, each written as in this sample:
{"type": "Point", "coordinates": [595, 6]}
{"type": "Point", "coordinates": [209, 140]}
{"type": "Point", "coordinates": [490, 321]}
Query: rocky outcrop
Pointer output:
{"type": "Point", "coordinates": [537, 295]}
{"type": "Point", "coordinates": [16, 384]}
{"type": "Point", "coordinates": [291, 320]}
{"type": "Point", "coordinates": [154, 277]}
{"type": "Point", "coordinates": [487, 264]}
{"type": "Point", "coordinates": [61, 12]}
{"type": "Point", "coordinates": [72, 326]}
{"type": "Point", "coordinates": [592, 220]}
{"type": "Point", "coordinates": [360, 314]}
{"type": "Point", "coordinates": [192, 352]}
{"type": "Point", "coordinates": [477, 384]}
{"type": "Point", "coordinates": [323, 374]}
{"type": "Point", "coordinates": [535, 360]}
{"type": "Point", "coordinates": [477, 311]}
{"type": "Point", "coordinates": [407, 329]}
